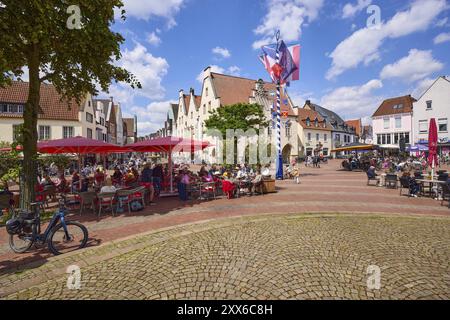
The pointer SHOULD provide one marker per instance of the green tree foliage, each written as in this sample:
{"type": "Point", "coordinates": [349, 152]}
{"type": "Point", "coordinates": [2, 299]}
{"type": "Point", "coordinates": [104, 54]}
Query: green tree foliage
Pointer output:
{"type": "Point", "coordinates": [242, 116]}
{"type": "Point", "coordinates": [36, 34]}
{"type": "Point", "coordinates": [59, 160]}
{"type": "Point", "coordinates": [9, 166]}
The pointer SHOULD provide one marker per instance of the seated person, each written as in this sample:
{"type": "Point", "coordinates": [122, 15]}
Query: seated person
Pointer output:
{"type": "Point", "coordinates": [85, 185]}
{"type": "Point", "coordinates": [47, 181]}
{"type": "Point", "coordinates": [135, 173]}
{"type": "Point", "coordinates": [207, 177]}
{"type": "Point", "coordinates": [371, 173]}
{"type": "Point", "coordinates": [117, 176]}
{"type": "Point", "coordinates": [414, 187]}
{"type": "Point", "coordinates": [62, 185]}
{"type": "Point", "coordinates": [108, 187]}
{"type": "Point", "coordinates": [99, 177]}
{"type": "Point", "coordinates": [256, 182]}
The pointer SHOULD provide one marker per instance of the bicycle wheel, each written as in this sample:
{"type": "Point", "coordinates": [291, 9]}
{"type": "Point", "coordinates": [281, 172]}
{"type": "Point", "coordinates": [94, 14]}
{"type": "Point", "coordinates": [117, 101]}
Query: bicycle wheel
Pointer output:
{"type": "Point", "coordinates": [20, 243]}
{"type": "Point", "coordinates": [58, 242]}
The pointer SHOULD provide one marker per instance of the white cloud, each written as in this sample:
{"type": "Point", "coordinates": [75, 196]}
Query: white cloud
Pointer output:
{"type": "Point", "coordinates": [145, 9]}
{"type": "Point", "coordinates": [441, 38]}
{"type": "Point", "coordinates": [363, 45]}
{"type": "Point", "coordinates": [422, 86]}
{"type": "Point", "coordinates": [222, 52]}
{"type": "Point", "coordinates": [350, 10]}
{"type": "Point", "coordinates": [151, 118]}
{"type": "Point", "coordinates": [288, 16]}
{"type": "Point", "coordinates": [153, 39]}
{"type": "Point", "coordinates": [416, 66]}
{"type": "Point", "coordinates": [149, 70]}
{"type": "Point", "coordinates": [354, 102]}
{"type": "Point", "coordinates": [232, 71]}
{"type": "Point", "coordinates": [299, 98]}
{"type": "Point", "coordinates": [442, 22]}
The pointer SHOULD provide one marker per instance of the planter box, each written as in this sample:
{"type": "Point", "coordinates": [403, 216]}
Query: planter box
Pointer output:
{"type": "Point", "coordinates": [269, 186]}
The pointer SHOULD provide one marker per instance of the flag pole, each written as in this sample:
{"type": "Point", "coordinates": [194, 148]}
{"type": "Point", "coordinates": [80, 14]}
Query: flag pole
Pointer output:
{"type": "Point", "coordinates": [279, 174]}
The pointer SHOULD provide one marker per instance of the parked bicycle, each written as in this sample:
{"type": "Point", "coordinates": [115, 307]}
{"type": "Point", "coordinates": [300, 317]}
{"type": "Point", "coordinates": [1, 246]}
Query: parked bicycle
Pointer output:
{"type": "Point", "coordinates": [61, 236]}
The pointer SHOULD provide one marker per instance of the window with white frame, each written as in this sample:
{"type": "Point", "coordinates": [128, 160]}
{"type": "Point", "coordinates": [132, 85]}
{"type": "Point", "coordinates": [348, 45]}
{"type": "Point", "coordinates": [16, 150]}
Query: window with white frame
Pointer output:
{"type": "Point", "coordinates": [423, 126]}
{"type": "Point", "coordinates": [44, 133]}
{"type": "Point", "coordinates": [429, 105]}
{"type": "Point", "coordinates": [288, 130]}
{"type": "Point", "coordinates": [89, 133]}
{"type": "Point", "coordinates": [309, 136]}
{"type": "Point", "coordinates": [398, 122]}
{"type": "Point", "coordinates": [89, 117]}
{"type": "Point", "coordinates": [68, 132]}
{"type": "Point", "coordinates": [11, 108]}
{"type": "Point", "coordinates": [443, 125]}
{"type": "Point", "coordinates": [317, 136]}
{"type": "Point", "coordinates": [386, 123]}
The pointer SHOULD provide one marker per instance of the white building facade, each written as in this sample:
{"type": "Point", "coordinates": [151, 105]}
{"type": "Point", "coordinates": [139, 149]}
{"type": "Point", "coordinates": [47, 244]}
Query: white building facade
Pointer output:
{"type": "Point", "coordinates": [434, 103]}
{"type": "Point", "coordinates": [222, 90]}
{"type": "Point", "coordinates": [57, 119]}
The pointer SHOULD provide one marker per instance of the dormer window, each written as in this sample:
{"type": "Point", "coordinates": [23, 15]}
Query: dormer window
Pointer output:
{"type": "Point", "coordinates": [308, 122]}
{"type": "Point", "coordinates": [316, 123]}
{"type": "Point", "coordinates": [324, 123]}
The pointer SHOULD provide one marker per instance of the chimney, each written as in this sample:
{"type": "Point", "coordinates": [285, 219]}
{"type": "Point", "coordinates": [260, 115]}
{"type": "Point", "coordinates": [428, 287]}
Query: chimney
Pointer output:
{"type": "Point", "coordinates": [111, 99]}
{"type": "Point", "coordinates": [308, 102]}
{"type": "Point", "coordinates": [192, 92]}
{"type": "Point", "coordinates": [181, 93]}
{"type": "Point", "coordinates": [207, 72]}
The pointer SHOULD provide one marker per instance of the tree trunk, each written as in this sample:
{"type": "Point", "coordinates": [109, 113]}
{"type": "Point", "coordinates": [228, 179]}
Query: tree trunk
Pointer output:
{"type": "Point", "coordinates": [30, 134]}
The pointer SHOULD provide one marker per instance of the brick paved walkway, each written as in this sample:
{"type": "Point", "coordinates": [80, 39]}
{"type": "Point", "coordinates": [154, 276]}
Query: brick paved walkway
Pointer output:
{"type": "Point", "coordinates": [322, 191]}
{"type": "Point", "coordinates": [274, 257]}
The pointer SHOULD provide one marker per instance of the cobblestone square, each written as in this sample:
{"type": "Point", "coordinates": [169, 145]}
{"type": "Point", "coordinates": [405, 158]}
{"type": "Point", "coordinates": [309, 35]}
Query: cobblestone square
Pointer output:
{"type": "Point", "coordinates": [260, 248]}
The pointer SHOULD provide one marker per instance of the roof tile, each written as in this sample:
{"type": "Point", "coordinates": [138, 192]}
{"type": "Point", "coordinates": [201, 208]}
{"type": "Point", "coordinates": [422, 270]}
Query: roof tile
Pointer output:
{"type": "Point", "coordinates": [51, 105]}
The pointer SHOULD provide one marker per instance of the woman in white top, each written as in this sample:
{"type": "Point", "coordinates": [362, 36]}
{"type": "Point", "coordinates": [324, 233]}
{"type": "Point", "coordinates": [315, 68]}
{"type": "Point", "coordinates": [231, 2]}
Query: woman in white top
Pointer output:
{"type": "Point", "coordinates": [108, 188]}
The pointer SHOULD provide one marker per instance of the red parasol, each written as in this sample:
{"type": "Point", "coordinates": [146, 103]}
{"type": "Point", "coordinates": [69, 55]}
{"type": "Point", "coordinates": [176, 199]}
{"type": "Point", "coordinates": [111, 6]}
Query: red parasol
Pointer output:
{"type": "Point", "coordinates": [432, 144]}
{"type": "Point", "coordinates": [79, 145]}
{"type": "Point", "coordinates": [169, 145]}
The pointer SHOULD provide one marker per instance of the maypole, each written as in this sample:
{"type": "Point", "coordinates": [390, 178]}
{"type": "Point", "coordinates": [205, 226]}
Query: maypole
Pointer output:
{"type": "Point", "coordinates": [279, 174]}
{"type": "Point", "coordinates": [282, 63]}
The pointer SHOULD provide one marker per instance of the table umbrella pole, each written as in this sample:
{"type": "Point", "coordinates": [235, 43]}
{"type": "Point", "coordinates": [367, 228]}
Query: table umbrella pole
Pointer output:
{"type": "Point", "coordinates": [79, 171]}
{"type": "Point", "coordinates": [170, 170]}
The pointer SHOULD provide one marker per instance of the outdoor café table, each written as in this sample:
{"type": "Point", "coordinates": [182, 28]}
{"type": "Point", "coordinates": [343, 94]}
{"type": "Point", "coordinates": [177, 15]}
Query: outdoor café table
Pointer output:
{"type": "Point", "coordinates": [208, 189]}
{"type": "Point", "coordinates": [431, 183]}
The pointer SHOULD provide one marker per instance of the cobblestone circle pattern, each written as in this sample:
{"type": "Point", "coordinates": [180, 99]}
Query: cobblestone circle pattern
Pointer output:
{"type": "Point", "coordinates": [282, 257]}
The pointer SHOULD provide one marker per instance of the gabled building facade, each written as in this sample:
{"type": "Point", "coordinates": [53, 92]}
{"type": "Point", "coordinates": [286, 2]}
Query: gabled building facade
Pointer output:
{"type": "Point", "coordinates": [100, 118]}
{"type": "Point", "coordinates": [342, 133]}
{"type": "Point", "coordinates": [221, 90]}
{"type": "Point", "coordinates": [434, 103]}
{"type": "Point", "coordinates": [393, 122]}
{"type": "Point", "coordinates": [315, 133]}
{"type": "Point", "coordinates": [57, 118]}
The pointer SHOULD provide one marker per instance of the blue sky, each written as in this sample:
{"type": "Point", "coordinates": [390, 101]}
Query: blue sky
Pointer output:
{"type": "Point", "coordinates": [345, 65]}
